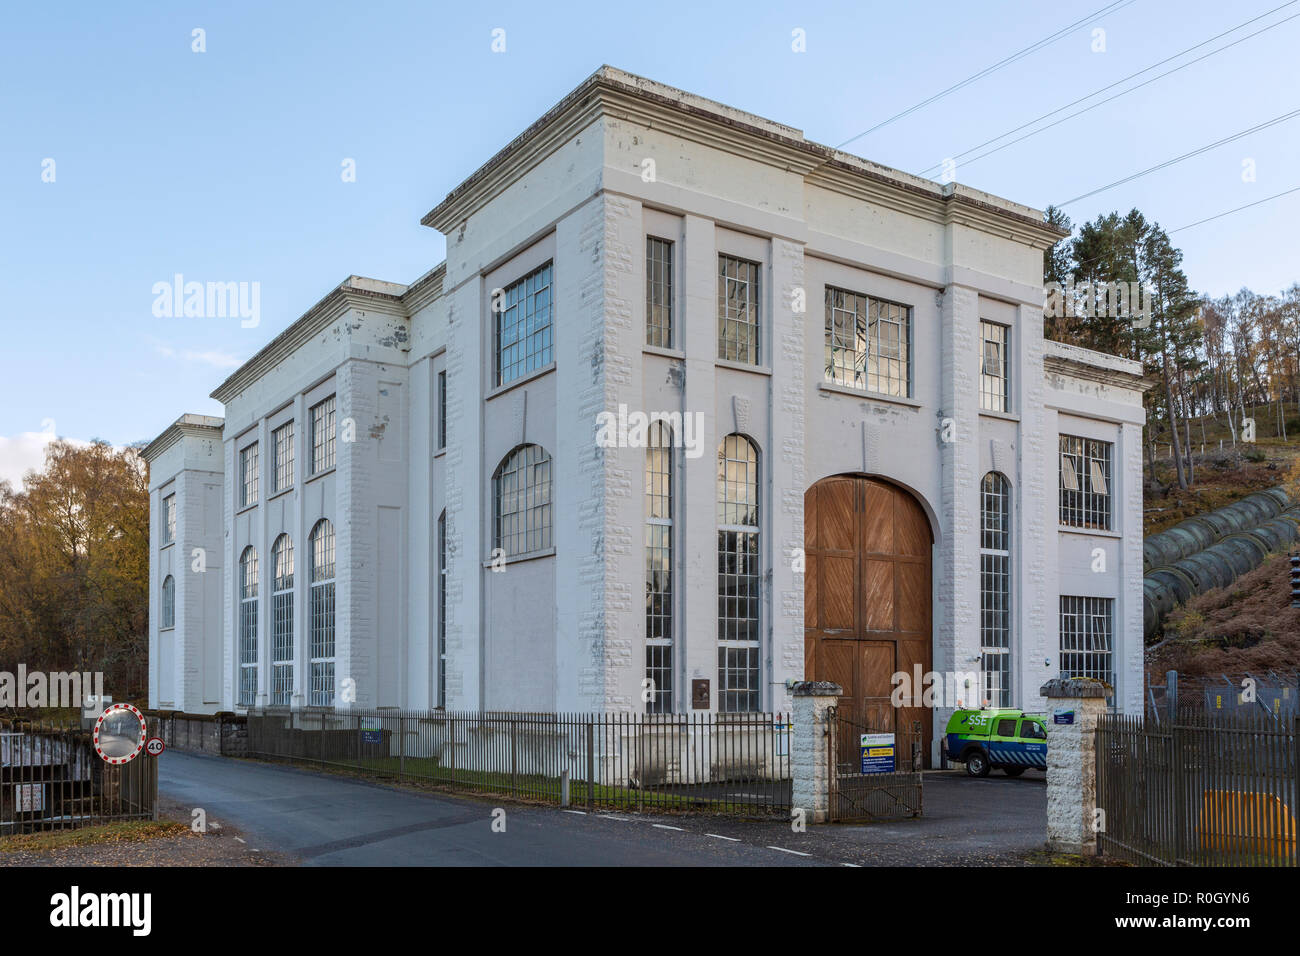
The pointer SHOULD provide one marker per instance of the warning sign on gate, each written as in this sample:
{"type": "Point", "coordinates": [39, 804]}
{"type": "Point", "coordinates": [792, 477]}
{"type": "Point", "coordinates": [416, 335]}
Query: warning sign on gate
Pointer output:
{"type": "Point", "coordinates": [877, 753]}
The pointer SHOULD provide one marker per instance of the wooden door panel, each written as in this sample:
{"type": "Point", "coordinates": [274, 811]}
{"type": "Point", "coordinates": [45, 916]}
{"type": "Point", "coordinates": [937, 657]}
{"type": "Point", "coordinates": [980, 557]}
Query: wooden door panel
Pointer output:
{"type": "Point", "coordinates": [838, 663]}
{"type": "Point", "coordinates": [877, 669]}
{"type": "Point", "coordinates": [911, 528]}
{"type": "Point", "coordinates": [838, 611]}
{"type": "Point", "coordinates": [811, 590]}
{"type": "Point", "coordinates": [877, 518]}
{"type": "Point", "coordinates": [913, 597]}
{"type": "Point", "coordinates": [836, 519]}
{"type": "Point", "coordinates": [878, 594]}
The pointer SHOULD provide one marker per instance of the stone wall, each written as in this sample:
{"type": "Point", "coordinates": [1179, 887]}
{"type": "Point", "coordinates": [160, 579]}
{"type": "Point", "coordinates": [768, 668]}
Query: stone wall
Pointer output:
{"type": "Point", "coordinates": [223, 734]}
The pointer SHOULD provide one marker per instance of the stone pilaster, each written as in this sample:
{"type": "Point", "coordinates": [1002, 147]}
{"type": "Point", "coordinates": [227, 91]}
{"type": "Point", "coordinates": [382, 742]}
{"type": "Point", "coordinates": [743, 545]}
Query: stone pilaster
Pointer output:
{"type": "Point", "coordinates": [810, 750]}
{"type": "Point", "coordinates": [1072, 763]}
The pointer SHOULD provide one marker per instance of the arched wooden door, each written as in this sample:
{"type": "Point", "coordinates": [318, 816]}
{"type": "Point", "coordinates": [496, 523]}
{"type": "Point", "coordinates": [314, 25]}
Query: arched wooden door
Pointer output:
{"type": "Point", "coordinates": [867, 596]}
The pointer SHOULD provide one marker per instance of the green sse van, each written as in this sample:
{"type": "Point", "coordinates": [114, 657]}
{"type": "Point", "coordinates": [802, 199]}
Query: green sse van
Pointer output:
{"type": "Point", "coordinates": [1008, 739]}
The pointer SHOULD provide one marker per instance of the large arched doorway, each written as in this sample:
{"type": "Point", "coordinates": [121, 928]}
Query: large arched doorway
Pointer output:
{"type": "Point", "coordinates": [867, 596]}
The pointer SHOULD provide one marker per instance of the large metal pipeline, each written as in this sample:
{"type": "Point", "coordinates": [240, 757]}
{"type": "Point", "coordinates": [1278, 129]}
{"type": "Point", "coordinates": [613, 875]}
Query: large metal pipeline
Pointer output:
{"type": "Point", "coordinates": [1231, 554]}
{"type": "Point", "coordinates": [1199, 532]}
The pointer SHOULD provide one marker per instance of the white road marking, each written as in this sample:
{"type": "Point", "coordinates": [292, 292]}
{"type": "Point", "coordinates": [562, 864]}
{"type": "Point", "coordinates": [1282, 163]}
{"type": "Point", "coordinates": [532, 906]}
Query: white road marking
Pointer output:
{"type": "Point", "coordinates": [719, 836]}
{"type": "Point", "coordinates": [581, 813]}
{"type": "Point", "coordinates": [240, 840]}
{"type": "Point", "coordinates": [784, 850]}
{"type": "Point", "coordinates": [854, 865]}
{"type": "Point", "coordinates": [610, 816]}
{"type": "Point", "coordinates": [664, 826]}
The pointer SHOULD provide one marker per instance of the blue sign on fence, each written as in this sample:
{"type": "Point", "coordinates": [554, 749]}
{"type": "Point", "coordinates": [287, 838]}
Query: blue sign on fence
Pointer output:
{"type": "Point", "coordinates": [877, 753]}
{"type": "Point", "coordinates": [370, 735]}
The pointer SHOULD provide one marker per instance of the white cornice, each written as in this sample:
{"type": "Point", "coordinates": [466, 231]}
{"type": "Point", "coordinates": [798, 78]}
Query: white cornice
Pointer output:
{"type": "Point", "coordinates": [192, 425]}
{"type": "Point", "coordinates": [619, 95]}
{"type": "Point", "coordinates": [355, 292]}
{"type": "Point", "coordinates": [425, 289]}
{"type": "Point", "coordinates": [1101, 367]}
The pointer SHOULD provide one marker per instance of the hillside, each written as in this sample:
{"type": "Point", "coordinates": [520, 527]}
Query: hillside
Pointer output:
{"type": "Point", "coordinates": [1222, 474]}
{"type": "Point", "coordinates": [1248, 626]}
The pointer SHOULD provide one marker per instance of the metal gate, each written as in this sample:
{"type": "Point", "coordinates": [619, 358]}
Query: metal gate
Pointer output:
{"type": "Point", "coordinates": [875, 768]}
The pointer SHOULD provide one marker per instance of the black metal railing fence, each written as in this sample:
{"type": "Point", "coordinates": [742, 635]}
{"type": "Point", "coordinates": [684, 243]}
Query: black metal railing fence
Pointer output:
{"type": "Point", "coordinates": [51, 778]}
{"type": "Point", "coordinates": [725, 763]}
{"type": "Point", "coordinates": [1198, 789]}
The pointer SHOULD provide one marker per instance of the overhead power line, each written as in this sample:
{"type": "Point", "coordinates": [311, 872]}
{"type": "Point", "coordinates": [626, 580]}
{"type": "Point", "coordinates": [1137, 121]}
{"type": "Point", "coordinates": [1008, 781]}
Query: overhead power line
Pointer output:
{"type": "Point", "coordinates": [1229, 212]}
{"type": "Point", "coordinates": [1032, 48]}
{"type": "Point", "coordinates": [1110, 86]}
{"type": "Point", "coordinates": [1178, 159]}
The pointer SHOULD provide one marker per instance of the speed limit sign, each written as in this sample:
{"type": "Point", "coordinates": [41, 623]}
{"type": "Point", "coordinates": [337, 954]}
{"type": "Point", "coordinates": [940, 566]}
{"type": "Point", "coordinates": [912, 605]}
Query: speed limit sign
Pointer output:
{"type": "Point", "coordinates": [155, 746]}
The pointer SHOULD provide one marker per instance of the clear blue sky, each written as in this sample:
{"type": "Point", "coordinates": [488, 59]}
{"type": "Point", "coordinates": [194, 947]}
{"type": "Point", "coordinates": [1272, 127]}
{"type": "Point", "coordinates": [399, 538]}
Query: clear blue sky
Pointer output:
{"type": "Point", "coordinates": [225, 165]}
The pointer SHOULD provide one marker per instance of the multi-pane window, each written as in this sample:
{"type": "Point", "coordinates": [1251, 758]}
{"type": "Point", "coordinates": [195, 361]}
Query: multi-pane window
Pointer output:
{"type": "Point", "coordinates": [248, 626]}
{"type": "Point", "coordinates": [1085, 483]}
{"type": "Point", "coordinates": [169, 519]}
{"type": "Point", "coordinates": [738, 310]}
{"type": "Point", "coordinates": [282, 620]}
{"type": "Point", "coordinates": [658, 292]}
{"type": "Point", "coordinates": [168, 615]}
{"type": "Point", "coordinates": [738, 574]}
{"type": "Point", "coordinates": [1086, 642]}
{"type": "Point", "coordinates": [868, 343]}
{"type": "Point", "coordinates": [442, 609]}
{"type": "Point", "coordinates": [659, 569]}
{"type": "Point", "coordinates": [321, 621]}
{"type": "Point", "coordinates": [282, 457]}
{"type": "Point", "coordinates": [521, 491]}
{"type": "Point", "coordinates": [323, 428]}
{"type": "Point", "coordinates": [442, 409]}
{"type": "Point", "coordinates": [995, 392]}
{"type": "Point", "coordinates": [995, 589]}
{"type": "Point", "coordinates": [248, 476]}
{"type": "Point", "coordinates": [523, 326]}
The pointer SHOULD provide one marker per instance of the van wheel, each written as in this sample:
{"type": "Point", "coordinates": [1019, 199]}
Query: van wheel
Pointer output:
{"type": "Point", "coordinates": [1013, 771]}
{"type": "Point", "coordinates": [977, 764]}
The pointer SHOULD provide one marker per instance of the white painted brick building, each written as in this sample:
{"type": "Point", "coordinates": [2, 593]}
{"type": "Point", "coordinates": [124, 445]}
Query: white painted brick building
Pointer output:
{"type": "Point", "coordinates": [915, 477]}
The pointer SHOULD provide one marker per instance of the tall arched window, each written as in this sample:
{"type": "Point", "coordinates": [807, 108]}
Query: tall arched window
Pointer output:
{"type": "Point", "coordinates": [248, 626]}
{"type": "Point", "coordinates": [168, 616]}
{"type": "Point", "coordinates": [442, 609]}
{"type": "Point", "coordinates": [282, 620]}
{"type": "Point", "coordinates": [738, 574]}
{"type": "Point", "coordinates": [321, 621]}
{"type": "Point", "coordinates": [995, 589]}
{"type": "Point", "coordinates": [659, 568]}
{"type": "Point", "coordinates": [521, 493]}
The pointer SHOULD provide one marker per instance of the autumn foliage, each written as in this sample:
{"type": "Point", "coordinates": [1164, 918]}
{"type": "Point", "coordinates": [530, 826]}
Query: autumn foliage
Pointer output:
{"type": "Point", "coordinates": [74, 566]}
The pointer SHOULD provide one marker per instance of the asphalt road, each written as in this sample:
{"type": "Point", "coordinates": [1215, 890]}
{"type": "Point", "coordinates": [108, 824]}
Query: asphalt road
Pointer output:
{"type": "Point", "coordinates": [325, 820]}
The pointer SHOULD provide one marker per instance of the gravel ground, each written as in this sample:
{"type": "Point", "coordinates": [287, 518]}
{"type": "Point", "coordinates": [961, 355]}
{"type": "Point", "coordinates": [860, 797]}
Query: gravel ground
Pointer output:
{"type": "Point", "coordinates": [222, 845]}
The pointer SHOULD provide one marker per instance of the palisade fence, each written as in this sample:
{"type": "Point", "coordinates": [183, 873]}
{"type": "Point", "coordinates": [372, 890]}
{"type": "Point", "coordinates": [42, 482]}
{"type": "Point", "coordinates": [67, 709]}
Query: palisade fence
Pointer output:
{"type": "Point", "coordinates": [724, 763]}
{"type": "Point", "coordinates": [1271, 694]}
{"type": "Point", "coordinates": [1200, 789]}
{"type": "Point", "coordinates": [51, 778]}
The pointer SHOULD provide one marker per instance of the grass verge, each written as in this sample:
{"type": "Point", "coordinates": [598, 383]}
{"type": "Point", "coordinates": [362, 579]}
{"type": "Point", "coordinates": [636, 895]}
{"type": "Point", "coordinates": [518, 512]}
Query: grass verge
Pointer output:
{"type": "Point", "coordinates": [128, 831]}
